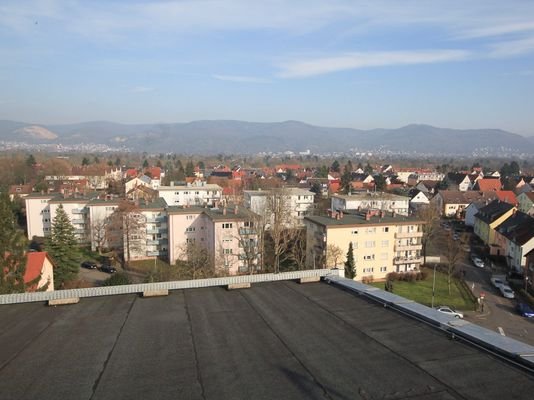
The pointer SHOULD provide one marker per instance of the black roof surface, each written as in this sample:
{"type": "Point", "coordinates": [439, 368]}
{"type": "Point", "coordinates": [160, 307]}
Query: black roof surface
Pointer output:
{"type": "Point", "coordinates": [273, 341]}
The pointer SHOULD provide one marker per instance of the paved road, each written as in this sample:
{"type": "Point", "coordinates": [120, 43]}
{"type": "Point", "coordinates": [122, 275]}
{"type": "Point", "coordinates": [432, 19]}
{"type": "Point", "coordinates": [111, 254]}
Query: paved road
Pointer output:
{"type": "Point", "coordinates": [499, 313]}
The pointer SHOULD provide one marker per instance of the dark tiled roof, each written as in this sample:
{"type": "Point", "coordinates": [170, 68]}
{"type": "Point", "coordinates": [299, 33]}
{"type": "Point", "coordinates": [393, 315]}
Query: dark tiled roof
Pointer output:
{"type": "Point", "coordinates": [493, 211]}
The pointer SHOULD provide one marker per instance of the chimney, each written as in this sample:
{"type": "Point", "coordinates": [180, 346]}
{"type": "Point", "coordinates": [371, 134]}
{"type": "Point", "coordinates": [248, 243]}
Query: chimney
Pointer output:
{"type": "Point", "coordinates": [224, 210]}
{"type": "Point", "coordinates": [236, 209]}
{"type": "Point", "coordinates": [341, 214]}
{"type": "Point", "coordinates": [367, 216]}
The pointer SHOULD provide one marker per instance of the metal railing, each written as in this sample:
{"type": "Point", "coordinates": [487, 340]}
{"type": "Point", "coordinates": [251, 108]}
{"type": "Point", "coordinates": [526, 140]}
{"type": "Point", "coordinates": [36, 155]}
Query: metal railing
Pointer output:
{"type": "Point", "coordinates": [174, 285]}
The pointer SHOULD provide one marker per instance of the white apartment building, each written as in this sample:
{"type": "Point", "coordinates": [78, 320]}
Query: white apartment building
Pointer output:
{"type": "Point", "coordinates": [197, 194]}
{"type": "Point", "coordinates": [371, 201]}
{"type": "Point", "coordinates": [223, 232]}
{"type": "Point", "coordinates": [299, 201]}
{"type": "Point", "coordinates": [381, 243]}
{"type": "Point", "coordinates": [38, 219]}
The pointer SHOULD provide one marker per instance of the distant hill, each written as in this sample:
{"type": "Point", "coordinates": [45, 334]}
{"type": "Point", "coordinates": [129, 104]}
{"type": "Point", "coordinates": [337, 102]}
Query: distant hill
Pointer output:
{"type": "Point", "coordinates": [224, 136]}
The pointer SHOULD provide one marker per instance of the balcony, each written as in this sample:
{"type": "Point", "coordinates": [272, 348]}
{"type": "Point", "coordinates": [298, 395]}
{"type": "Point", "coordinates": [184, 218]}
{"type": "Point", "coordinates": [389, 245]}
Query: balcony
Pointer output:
{"type": "Point", "coordinates": [152, 220]}
{"type": "Point", "coordinates": [77, 221]}
{"type": "Point", "coordinates": [79, 231]}
{"type": "Point", "coordinates": [407, 235]}
{"type": "Point", "coordinates": [156, 253]}
{"type": "Point", "coordinates": [246, 231]}
{"type": "Point", "coordinates": [157, 241]}
{"type": "Point", "coordinates": [408, 260]}
{"type": "Point", "coordinates": [156, 230]}
{"type": "Point", "coordinates": [409, 247]}
{"type": "Point", "coordinates": [79, 211]}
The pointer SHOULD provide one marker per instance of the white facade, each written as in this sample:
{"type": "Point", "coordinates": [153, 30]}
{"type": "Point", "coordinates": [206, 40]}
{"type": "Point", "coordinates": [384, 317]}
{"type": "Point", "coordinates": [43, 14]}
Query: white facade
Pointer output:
{"type": "Point", "coordinates": [78, 213]}
{"type": "Point", "coordinates": [201, 194]}
{"type": "Point", "coordinates": [300, 201]}
{"type": "Point", "coordinates": [38, 219]}
{"type": "Point", "coordinates": [99, 213]}
{"type": "Point", "coordinates": [138, 181]}
{"type": "Point", "coordinates": [371, 201]}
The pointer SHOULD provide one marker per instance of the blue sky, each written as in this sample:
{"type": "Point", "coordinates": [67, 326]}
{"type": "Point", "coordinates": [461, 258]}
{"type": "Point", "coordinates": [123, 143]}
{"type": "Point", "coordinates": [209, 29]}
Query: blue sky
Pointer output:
{"type": "Point", "coordinates": [361, 64]}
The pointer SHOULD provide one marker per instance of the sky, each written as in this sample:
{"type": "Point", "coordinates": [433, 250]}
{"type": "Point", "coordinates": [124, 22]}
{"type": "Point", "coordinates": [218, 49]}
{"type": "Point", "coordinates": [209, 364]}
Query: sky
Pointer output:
{"type": "Point", "coordinates": [356, 63]}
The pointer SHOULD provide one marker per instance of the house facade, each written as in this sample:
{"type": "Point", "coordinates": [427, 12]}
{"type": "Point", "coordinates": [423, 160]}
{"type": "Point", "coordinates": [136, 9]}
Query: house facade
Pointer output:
{"type": "Point", "coordinates": [526, 202]}
{"type": "Point", "coordinates": [488, 218]}
{"type": "Point", "coordinates": [381, 243]}
{"type": "Point", "coordinates": [371, 201]}
{"type": "Point", "coordinates": [39, 274]}
{"type": "Point", "coordinates": [198, 194]}
{"type": "Point", "coordinates": [515, 238]}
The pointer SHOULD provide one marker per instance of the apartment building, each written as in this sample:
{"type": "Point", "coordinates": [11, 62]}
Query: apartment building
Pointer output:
{"type": "Point", "coordinates": [38, 218]}
{"type": "Point", "coordinates": [300, 202]}
{"type": "Point", "coordinates": [223, 232]}
{"type": "Point", "coordinates": [371, 201]}
{"type": "Point", "coordinates": [198, 194]}
{"type": "Point", "coordinates": [489, 217]}
{"type": "Point", "coordinates": [382, 242]}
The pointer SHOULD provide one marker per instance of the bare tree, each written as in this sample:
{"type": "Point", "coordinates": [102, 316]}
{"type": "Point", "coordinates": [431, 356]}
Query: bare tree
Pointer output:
{"type": "Point", "coordinates": [195, 262]}
{"type": "Point", "coordinates": [297, 252]}
{"type": "Point", "coordinates": [453, 255]}
{"type": "Point", "coordinates": [127, 228]}
{"type": "Point", "coordinates": [250, 238]}
{"type": "Point", "coordinates": [99, 233]}
{"type": "Point", "coordinates": [430, 216]}
{"type": "Point", "coordinates": [281, 223]}
{"type": "Point", "coordinates": [333, 255]}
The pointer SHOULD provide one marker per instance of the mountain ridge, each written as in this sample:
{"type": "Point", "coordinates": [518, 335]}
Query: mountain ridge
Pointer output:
{"type": "Point", "coordinates": [246, 137]}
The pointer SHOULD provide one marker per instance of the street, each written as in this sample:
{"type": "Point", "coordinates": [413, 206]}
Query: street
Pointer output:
{"type": "Point", "coordinates": [499, 313]}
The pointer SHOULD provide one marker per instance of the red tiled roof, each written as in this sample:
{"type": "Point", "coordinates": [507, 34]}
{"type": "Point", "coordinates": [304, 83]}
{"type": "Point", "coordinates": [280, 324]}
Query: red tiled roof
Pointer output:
{"type": "Point", "coordinates": [489, 184]}
{"type": "Point", "coordinates": [155, 172]}
{"type": "Point", "coordinates": [34, 265]}
{"type": "Point", "coordinates": [507, 196]}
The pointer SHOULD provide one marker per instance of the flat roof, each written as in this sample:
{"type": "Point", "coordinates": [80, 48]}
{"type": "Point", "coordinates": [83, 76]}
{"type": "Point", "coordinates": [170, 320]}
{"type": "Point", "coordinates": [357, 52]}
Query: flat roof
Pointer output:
{"type": "Point", "coordinates": [358, 219]}
{"type": "Point", "coordinates": [371, 196]}
{"type": "Point", "coordinates": [273, 341]}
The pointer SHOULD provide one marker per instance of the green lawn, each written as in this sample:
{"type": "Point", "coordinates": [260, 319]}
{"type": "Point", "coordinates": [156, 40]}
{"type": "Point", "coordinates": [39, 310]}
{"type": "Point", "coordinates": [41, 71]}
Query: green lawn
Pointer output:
{"type": "Point", "coordinates": [421, 292]}
{"type": "Point", "coordinates": [146, 266]}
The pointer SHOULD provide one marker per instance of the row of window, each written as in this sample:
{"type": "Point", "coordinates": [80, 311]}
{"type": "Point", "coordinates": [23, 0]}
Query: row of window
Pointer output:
{"type": "Point", "coordinates": [371, 269]}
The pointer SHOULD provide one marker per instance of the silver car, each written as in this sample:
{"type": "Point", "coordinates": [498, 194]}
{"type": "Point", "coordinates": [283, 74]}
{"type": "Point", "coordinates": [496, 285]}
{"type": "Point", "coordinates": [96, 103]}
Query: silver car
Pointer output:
{"type": "Point", "coordinates": [507, 291]}
{"type": "Point", "coordinates": [450, 311]}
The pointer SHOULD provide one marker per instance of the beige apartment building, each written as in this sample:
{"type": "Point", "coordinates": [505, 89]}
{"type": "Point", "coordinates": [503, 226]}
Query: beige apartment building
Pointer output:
{"type": "Point", "coordinates": [382, 242]}
{"type": "Point", "coordinates": [223, 232]}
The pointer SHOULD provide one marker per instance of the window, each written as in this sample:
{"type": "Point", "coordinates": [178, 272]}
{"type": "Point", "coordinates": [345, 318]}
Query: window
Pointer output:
{"type": "Point", "coordinates": [190, 229]}
{"type": "Point", "coordinates": [189, 217]}
{"type": "Point", "coordinates": [227, 251]}
{"type": "Point", "coordinates": [369, 257]}
{"type": "Point", "coordinates": [383, 256]}
{"type": "Point", "coordinates": [371, 230]}
{"type": "Point", "coordinates": [227, 240]}
{"type": "Point", "coordinates": [385, 229]}
{"type": "Point", "coordinates": [227, 225]}
{"type": "Point", "coordinates": [385, 243]}
{"type": "Point", "coordinates": [370, 243]}
{"type": "Point", "coordinates": [249, 224]}
{"type": "Point", "coordinates": [367, 270]}
{"type": "Point", "coordinates": [355, 232]}
{"type": "Point", "coordinates": [190, 240]}
{"type": "Point", "coordinates": [383, 269]}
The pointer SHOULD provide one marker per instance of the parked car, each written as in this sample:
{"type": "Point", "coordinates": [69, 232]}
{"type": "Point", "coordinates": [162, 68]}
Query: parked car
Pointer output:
{"type": "Point", "coordinates": [477, 261]}
{"type": "Point", "coordinates": [507, 291]}
{"type": "Point", "coordinates": [89, 265]}
{"type": "Point", "coordinates": [498, 281]}
{"type": "Point", "coordinates": [450, 311]}
{"type": "Point", "coordinates": [525, 310]}
{"type": "Point", "coordinates": [108, 269]}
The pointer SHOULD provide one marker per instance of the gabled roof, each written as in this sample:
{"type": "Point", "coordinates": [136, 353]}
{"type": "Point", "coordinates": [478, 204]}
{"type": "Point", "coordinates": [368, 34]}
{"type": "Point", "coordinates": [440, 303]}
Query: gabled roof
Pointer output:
{"type": "Point", "coordinates": [34, 265]}
{"type": "Point", "coordinates": [455, 177]}
{"type": "Point", "coordinates": [493, 211]}
{"type": "Point", "coordinates": [519, 228]}
{"type": "Point", "coordinates": [507, 196]}
{"type": "Point", "coordinates": [20, 189]}
{"type": "Point", "coordinates": [459, 197]}
{"type": "Point", "coordinates": [489, 184]}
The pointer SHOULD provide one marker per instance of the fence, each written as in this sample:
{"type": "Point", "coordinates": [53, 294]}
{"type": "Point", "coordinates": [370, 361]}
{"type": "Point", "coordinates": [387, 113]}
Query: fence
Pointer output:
{"type": "Point", "coordinates": [174, 285]}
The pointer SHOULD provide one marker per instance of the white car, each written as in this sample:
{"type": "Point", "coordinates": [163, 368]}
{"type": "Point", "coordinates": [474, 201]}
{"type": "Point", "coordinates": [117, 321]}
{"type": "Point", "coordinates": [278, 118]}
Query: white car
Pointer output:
{"type": "Point", "coordinates": [450, 311]}
{"type": "Point", "coordinates": [497, 282]}
{"type": "Point", "coordinates": [477, 262]}
{"type": "Point", "coordinates": [507, 291]}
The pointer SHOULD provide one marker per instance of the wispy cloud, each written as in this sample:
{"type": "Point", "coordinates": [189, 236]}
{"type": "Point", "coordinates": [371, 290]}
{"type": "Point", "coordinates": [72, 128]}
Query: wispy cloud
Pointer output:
{"type": "Point", "coordinates": [512, 48]}
{"type": "Point", "coordinates": [325, 65]}
{"type": "Point", "coordinates": [240, 78]}
{"type": "Point", "coordinates": [499, 30]}
{"type": "Point", "coordinates": [141, 89]}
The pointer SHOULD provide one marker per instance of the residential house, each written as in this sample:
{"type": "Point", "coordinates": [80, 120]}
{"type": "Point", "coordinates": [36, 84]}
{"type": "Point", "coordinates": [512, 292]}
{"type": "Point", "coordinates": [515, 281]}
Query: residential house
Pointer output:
{"type": "Point", "coordinates": [100, 212]}
{"type": "Point", "coordinates": [38, 217]}
{"type": "Point", "coordinates": [362, 181]}
{"type": "Point", "coordinates": [20, 191]}
{"type": "Point", "coordinates": [155, 174]}
{"type": "Point", "coordinates": [226, 233]}
{"type": "Point", "coordinates": [142, 192]}
{"type": "Point", "coordinates": [488, 218]}
{"type": "Point", "coordinates": [486, 184]}
{"type": "Point", "coordinates": [195, 194]}
{"type": "Point", "coordinates": [300, 202]}
{"type": "Point", "coordinates": [471, 210]}
{"type": "Point", "coordinates": [515, 239]}
{"type": "Point", "coordinates": [142, 180]}
{"type": "Point", "coordinates": [507, 196]}
{"type": "Point", "coordinates": [382, 243]}
{"type": "Point", "coordinates": [428, 186]}
{"type": "Point", "coordinates": [453, 203]}
{"type": "Point", "coordinates": [418, 200]}
{"type": "Point", "coordinates": [529, 269]}
{"type": "Point", "coordinates": [526, 202]}
{"type": "Point", "coordinates": [458, 181]}
{"type": "Point", "coordinates": [39, 274]}
{"type": "Point", "coordinates": [371, 201]}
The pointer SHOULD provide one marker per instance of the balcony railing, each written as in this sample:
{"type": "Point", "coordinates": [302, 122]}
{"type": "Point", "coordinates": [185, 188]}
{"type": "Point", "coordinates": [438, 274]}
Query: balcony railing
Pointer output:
{"type": "Point", "coordinates": [155, 219]}
{"type": "Point", "coordinates": [156, 230]}
{"type": "Point", "coordinates": [157, 241]}
{"type": "Point", "coordinates": [407, 260]}
{"type": "Point", "coordinates": [409, 247]}
{"type": "Point", "coordinates": [156, 253]}
{"type": "Point", "coordinates": [246, 231]}
{"type": "Point", "coordinates": [79, 210]}
{"type": "Point", "coordinates": [407, 235]}
{"type": "Point", "coordinates": [78, 221]}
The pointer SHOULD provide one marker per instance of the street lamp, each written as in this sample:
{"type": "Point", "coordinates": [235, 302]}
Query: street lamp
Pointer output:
{"type": "Point", "coordinates": [434, 286]}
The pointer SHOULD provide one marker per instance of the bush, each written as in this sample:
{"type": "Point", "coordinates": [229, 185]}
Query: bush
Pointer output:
{"type": "Point", "coordinates": [392, 276]}
{"type": "Point", "coordinates": [117, 279]}
{"type": "Point", "coordinates": [423, 274]}
{"type": "Point", "coordinates": [367, 279]}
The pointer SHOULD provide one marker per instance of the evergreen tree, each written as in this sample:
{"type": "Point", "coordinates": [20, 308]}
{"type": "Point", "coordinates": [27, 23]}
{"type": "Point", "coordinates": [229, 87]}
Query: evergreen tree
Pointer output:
{"type": "Point", "coordinates": [63, 248]}
{"type": "Point", "coordinates": [30, 161]}
{"type": "Point", "coordinates": [189, 169]}
{"type": "Point", "coordinates": [85, 161]}
{"type": "Point", "coordinates": [145, 164]}
{"type": "Point", "coordinates": [335, 166]}
{"type": "Point", "coordinates": [350, 272]}
{"type": "Point", "coordinates": [13, 245]}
